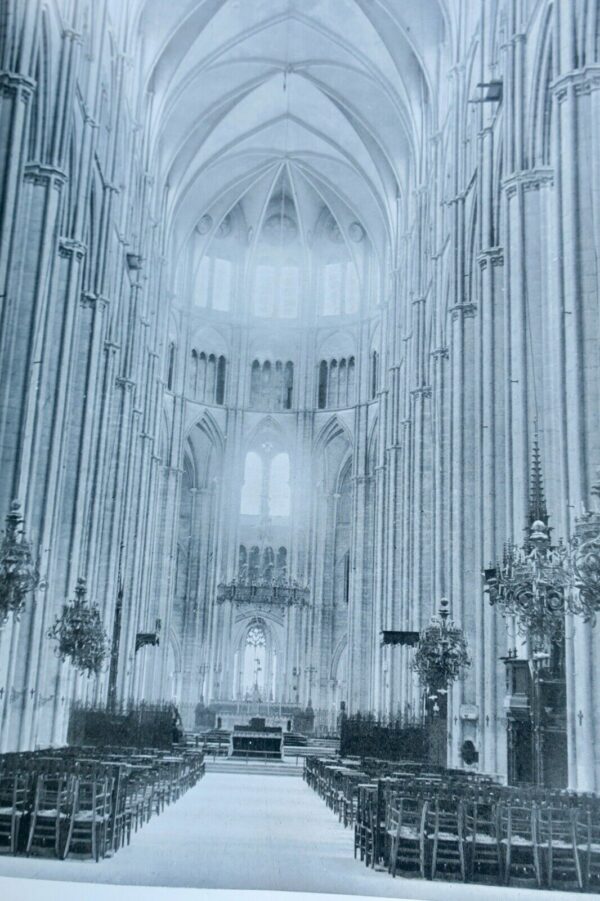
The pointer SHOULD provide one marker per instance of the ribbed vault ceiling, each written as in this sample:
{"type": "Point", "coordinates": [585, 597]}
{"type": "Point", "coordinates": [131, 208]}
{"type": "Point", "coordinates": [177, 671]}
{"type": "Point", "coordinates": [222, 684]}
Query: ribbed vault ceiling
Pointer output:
{"type": "Point", "coordinates": [337, 88]}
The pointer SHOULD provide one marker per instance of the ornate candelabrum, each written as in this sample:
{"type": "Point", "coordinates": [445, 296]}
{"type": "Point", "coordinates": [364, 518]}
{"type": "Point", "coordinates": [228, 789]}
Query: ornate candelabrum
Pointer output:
{"type": "Point", "coordinates": [584, 560]}
{"type": "Point", "coordinates": [18, 572]}
{"type": "Point", "coordinates": [532, 582]}
{"type": "Point", "coordinates": [79, 634]}
{"type": "Point", "coordinates": [440, 658]}
{"type": "Point", "coordinates": [442, 652]}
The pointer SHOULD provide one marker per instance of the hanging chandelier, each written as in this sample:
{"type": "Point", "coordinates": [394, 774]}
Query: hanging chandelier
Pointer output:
{"type": "Point", "coordinates": [79, 634]}
{"type": "Point", "coordinates": [18, 572]}
{"type": "Point", "coordinates": [265, 584]}
{"type": "Point", "coordinates": [274, 591]}
{"type": "Point", "coordinates": [442, 652]}
{"type": "Point", "coordinates": [532, 583]}
{"type": "Point", "coordinates": [584, 560]}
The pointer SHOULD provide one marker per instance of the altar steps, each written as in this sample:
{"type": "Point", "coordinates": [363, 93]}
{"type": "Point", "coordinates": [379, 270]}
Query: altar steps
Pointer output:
{"type": "Point", "coordinates": [252, 768]}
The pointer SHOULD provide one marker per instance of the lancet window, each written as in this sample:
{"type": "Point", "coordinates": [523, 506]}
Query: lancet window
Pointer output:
{"type": "Point", "coordinates": [256, 564]}
{"type": "Point", "coordinates": [272, 385]}
{"type": "Point", "coordinates": [337, 387]}
{"type": "Point", "coordinates": [207, 377]}
{"type": "Point", "coordinates": [214, 286]}
{"type": "Point", "coordinates": [374, 374]}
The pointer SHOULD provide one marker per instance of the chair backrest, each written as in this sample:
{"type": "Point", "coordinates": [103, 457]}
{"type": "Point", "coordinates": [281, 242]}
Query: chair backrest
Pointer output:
{"type": "Point", "coordinates": [55, 791]}
{"type": "Point", "coordinates": [93, 793]}
{"type": "Point", "coordinates": [15, 789]}
{"type": "Point", "coordinates": [556, 823]}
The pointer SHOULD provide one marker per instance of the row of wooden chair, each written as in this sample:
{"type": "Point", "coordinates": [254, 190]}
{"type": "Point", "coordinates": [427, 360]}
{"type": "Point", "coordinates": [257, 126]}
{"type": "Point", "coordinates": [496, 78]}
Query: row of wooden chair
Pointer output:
{"type": "Point", "coordinates": [85, 804]}
{"type": "Point", "coordinates": [420, 820]}
{"type": "Point", "coordinates": [485, 836]}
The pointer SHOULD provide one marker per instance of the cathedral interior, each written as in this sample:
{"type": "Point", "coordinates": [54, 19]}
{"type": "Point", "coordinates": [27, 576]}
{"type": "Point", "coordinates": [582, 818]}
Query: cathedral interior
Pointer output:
{"type": "Point", "coordinates": [300, 346]}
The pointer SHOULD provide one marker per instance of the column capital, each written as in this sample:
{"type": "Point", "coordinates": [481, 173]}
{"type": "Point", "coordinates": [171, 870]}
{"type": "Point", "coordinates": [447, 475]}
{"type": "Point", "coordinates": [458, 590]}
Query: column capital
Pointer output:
{"type": "Point", "coordinates": [70, 247]}
{"type": "Point", "coordinates": [11, 82]}
{"type": "Point", "coordinates": [124, 383]}
{"type": "Point", "coordinates": [466, 310]}
{"type": "Point", "coordinates": [528, 180]}
{"type": "Point", "coordinates": [493, 255]}
{"type": "Point", "coordinates": [40, 174]}
{"type": "Point", "coordinates": [581, 81]}
{"type": "Point", "coordinates": [423, 391]}
{"type": "Point", "coordinates": [91, 299]}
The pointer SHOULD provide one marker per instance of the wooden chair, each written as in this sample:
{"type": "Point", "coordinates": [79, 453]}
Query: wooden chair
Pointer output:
{"type": "Point", "coordinates": [556, 838]}
{"type": "Point", "coordinates": [120, 823]}
{"type": "Point", "coordinates": [588, 841]}
{"type": "Point", "coordinates": [15, 789]}
{"type": "Point", "coordinates": [52, 809]}
{"type": "Point", "coordinates": [363, 826]}
{"type": "Point", "coordinates": [520, 851]}
{"type": "Point", "coordinates": [405, 828]}
{"type": "Point", "coordinates": [89, 821]}
{"type": "Point", "coordinates": [444, 832]}
{"type": "Point", "coordinates": [482, 840]}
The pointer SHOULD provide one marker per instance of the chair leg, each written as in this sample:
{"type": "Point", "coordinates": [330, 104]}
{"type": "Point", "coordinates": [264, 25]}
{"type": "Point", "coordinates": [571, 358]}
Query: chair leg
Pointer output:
{"type": "Point", "coordinates": [31, 832]}
{"type": "Point", "coordinates": [578, 867]}
{"type": "Point", "coordinates": [536, 864]}
{"type": "Point", "coordinates": [507, 865]}
{"type": "Point", "coordinates": [434, 857]}
{"type": "Point", "coordinates": [57, 831]}
{"type": "Point", "coordinates": [394, 856]}
{"type": "Point", "coordinates": [68, 839]}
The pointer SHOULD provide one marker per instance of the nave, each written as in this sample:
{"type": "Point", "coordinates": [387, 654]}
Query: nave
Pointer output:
{"type": "Point", "coordinates": [236, 831]}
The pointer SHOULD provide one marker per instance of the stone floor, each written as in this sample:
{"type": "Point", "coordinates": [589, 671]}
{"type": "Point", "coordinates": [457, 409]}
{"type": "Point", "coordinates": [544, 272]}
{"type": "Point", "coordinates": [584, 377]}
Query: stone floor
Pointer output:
{"type": "Point", "coordinates": [250, 832]}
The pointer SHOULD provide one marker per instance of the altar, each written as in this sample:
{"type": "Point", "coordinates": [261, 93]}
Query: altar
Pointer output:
{"type": "Point", "coordinates": [256, 741]}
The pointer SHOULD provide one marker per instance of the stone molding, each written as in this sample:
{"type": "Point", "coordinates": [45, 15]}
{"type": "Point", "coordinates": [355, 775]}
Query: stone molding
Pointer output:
{"type": "Point", "coordinates": [12, 82]}
{"type": "Point", "coordinates": [424, 391]}
{"type": "Point", "coordinates": [440, 353]}
{"type": "Point", "coordinates": [466, 310]}
{"type": "Point", "coordinates": [583, 81]}
{"type": "Point", "coordinates": [42, 174]}
{"type": "Point", "coordinates": [493, 255]}
{"type": "Point", "coordinates": [124, 383]}
{"type": "Point", "coordinates": [71, 247]}
{"type": "Point", "coordinates": [528, 180]}
{"type": "Point", "coordinates": [91, 299]}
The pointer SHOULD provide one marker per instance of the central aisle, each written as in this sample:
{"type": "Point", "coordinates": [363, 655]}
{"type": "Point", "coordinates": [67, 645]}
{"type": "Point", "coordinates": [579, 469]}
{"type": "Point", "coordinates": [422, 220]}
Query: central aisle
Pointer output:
{"type": "Point", "coordinates": [247, 832]}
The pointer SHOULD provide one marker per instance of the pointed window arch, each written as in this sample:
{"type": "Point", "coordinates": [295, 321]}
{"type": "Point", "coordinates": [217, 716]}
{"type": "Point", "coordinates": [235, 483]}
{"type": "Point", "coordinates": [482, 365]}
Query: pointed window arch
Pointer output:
{"type": "Point", "coordinates": [332, 289]}
{"type": "Point", "coordinates": [221, 368]}
{"type": "Point", "coordinates": [322, 399]}
{"type": "Point", "coordinates": [252, 487]}
{"type": "Point", "coordinates": [194, 374]}
{"type": "Point", "coordinates": [374, 374]}
{"type": "Point", "coordinates": [202, 293]}
{"type": "Point", "coordinates": [279, 485]}
{"type": "Point", "coordinates": [223, 282]}
{"type": "Point", "coordinates": [352, 293]}
{"type": "Point", "coordinates": [171, 366]}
